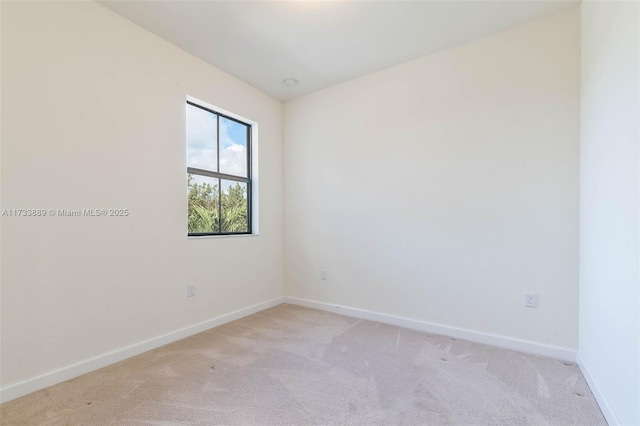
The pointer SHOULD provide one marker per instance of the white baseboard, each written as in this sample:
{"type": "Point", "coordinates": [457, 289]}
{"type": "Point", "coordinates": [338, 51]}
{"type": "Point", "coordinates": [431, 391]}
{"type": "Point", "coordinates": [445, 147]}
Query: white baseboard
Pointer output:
{"type": "Point", "coordinates": [69, 372]}
{"type": "Point", "coordinates": [535, 348]}
{"type": "Point", "coordinates": [605, 407]}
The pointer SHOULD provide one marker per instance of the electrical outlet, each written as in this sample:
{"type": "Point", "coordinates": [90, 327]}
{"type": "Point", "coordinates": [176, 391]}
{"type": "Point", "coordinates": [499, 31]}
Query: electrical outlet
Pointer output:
{"type": "Point", "coordinates": [323, 274]}
{"type": "Point", "coordinates": [531, 300]}
{"type": "Point", "coordinates": [191, 290]}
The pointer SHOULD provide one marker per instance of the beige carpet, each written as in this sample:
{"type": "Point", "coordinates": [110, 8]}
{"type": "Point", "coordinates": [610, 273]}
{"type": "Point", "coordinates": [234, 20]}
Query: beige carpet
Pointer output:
{"type": "Point", "coordinates": [296, 366]}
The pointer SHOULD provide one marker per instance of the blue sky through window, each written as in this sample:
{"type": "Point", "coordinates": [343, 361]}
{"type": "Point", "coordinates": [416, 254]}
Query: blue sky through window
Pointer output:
{"type": "Point", "coordinates": [202, 147]}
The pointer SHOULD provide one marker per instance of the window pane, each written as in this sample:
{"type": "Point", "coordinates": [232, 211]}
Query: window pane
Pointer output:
{"type": "Point", "coordinates": [203, 195]}
{"type": "Point", "coordinates": [233, 147]}
{"type": "Point", "coordinates": [202, 132]}
{"type": "Point", "coordinates": [235, 217]}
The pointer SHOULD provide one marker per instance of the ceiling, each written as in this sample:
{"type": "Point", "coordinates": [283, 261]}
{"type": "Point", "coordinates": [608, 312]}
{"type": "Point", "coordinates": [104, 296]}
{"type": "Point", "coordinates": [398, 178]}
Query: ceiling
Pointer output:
{"type": "Point", "coordinates": [321, 43]}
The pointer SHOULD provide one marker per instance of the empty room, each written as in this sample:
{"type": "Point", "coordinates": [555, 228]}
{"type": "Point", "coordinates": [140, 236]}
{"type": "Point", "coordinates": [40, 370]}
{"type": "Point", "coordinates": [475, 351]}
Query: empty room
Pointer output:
{"type": "Point", "coordinates": [320, 212]}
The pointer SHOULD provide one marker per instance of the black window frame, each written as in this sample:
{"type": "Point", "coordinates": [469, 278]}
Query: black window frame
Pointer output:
{"type": "Point", "coordinates": [225, 176]}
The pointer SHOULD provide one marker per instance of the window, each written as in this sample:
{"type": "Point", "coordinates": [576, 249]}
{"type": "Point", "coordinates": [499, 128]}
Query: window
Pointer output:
{"type": "Point", "coordinates": [218, 173]}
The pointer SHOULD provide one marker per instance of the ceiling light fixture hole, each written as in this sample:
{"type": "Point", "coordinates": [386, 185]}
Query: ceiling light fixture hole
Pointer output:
{"type": "Point", "coordinates": [289, 82]}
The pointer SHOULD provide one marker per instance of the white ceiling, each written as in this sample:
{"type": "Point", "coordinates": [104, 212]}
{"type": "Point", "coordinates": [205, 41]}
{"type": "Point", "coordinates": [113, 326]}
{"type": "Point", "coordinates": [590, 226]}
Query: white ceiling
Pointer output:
{"type": "Point", "coordinates": [321, 43]}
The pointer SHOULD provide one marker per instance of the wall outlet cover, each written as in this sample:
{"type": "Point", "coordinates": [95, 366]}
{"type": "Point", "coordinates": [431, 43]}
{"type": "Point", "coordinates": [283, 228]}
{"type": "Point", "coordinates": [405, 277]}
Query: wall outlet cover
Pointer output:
{"type": "Point", "coordinates": [531, 300]}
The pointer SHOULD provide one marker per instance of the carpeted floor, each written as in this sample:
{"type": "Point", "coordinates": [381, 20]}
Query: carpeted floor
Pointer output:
{"type": "Point", "coordinates": [296, 366]}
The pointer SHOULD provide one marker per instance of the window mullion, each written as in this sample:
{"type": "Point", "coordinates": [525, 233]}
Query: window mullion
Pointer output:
{"type": "Point", "coordinates": [218, 170]}
{"type": "Point", "coordinates": [218, 143]}
{"type": "Point", "coordinates": [219, 205]}
{"type": "Point", "coordinates": [209, 173]}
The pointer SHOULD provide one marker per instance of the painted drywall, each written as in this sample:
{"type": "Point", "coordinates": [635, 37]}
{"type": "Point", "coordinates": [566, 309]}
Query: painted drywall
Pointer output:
{"type": "Point", "coordinates": [444, 188]}
{"type": "Point", "coordinates": [94, 117]}
{"type": "Point", "coordinates": [609, 351]}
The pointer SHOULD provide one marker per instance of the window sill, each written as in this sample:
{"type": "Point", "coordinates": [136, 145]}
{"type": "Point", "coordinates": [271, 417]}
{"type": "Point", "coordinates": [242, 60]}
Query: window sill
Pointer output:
{"type": "Point", "coordinates": [203, 237]}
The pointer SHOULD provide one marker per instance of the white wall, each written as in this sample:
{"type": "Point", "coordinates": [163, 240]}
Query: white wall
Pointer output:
{"type": "Point", "coordinates": [443, 188]}
{"type": "Point", "coordinates": [94, 117]}
{"type": "Point", "coordinates": [610, 215]}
